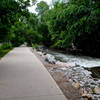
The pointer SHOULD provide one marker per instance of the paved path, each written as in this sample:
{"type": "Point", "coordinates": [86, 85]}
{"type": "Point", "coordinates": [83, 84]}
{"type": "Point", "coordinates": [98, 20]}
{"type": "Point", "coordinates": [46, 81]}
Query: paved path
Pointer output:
{"type": "Point", "coordinates": [23, 77]}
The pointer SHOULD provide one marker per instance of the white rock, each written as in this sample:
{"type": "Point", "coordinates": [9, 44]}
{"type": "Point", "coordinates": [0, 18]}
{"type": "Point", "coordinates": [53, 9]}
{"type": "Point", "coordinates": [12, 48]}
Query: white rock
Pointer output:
{"type": "Point", "coordinates": [63, 69]}
{"type": "Point", "coordinates": [40, 53]}
{"type": "Point", "coordinates": [61, 63]}
{"type": "Point", "coordinates": [87, 95]}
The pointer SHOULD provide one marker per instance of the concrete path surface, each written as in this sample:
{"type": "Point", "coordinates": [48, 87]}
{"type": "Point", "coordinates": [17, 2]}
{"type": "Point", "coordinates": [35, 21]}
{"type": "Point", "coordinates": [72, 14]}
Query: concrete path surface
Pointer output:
{"type": "Point", "coordinates": [23, 77]}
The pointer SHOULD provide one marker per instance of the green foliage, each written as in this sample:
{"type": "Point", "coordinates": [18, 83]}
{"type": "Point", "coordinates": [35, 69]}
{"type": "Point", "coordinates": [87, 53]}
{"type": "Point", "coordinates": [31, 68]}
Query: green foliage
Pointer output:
{"type": "Point", "coordinates": [35, 46]}
{"type": "Point", "coordinates": [5, 46]}
{"type": "Point", "coordinates": [13, 14]}
{"type": "Point", "coordinates": [42, 7]}
{"type": "Point", "coordinates": [4, 52]}
{"type": "Point", "coordinates": [76, 22]}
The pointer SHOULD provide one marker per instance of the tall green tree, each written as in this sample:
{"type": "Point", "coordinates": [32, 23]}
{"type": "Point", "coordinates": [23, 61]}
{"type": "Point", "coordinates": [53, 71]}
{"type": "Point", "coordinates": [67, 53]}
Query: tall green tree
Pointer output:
{"type": "Point", "coordinates": [76, 22]}
{"type": "Point", "coordinates": [42, 7]}
{"type": "Point", "coordinates": [10, 12]}
{"type": "Point", "coordinates": [42, 28]}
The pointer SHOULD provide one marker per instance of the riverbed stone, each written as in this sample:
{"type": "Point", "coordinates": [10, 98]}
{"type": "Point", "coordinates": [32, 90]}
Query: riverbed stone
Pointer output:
{"type": "Point", "coordinates": [97, 90]}
{"type": "Point", "coordinates": [63, 68]}
{"type": "Point", "coordinates": [77, 85]}
{"type": "Point", "coordinates": [59, 63]}
{"type": "Point", "coordinates": [78, 68]}
{"type": "Point", "coordinates": [98, 81]}
{"type": "Point", "coordinates": [89, 96]}
{"type": "Point", "coordinates": [78, 76]}
{"type": "Point", "coordinates": [40, 53]}
{"type": "Point", "coordinates": [50, 58]}
{"type": "Point", "coordinates": [86, 99]}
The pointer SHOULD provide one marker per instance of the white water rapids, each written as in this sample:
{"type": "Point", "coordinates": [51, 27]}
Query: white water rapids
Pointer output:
{"type": "Point", "coordinates": [88, 62]}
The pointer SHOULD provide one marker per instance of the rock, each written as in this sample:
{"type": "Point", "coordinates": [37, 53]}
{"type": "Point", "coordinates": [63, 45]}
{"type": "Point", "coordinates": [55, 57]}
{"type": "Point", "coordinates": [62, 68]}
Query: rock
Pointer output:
{"type": "Point", "coordinates": [89, 96]}
{"type": "Point", "coordinates": [97, 90]}
{"type": "Point", "coordinates": [78, 69]}
{"type": "Point", "coordinates": [70, 80]}
{"type": "Point", "coordinates": [92, 86]}
{"type": "Point", "coordinates": [77, 85]}
{"type": "Point", "coordinates": [41, 47]}
{"type": "Point", "coordinates": [87, 73]}
{"type": "Point", "coordinates": [96, 97]}
{"type": "Point", "coordinates": [92, 82]}
{"type": "Point", "coordinates": [98, 81]}
{"type": "Point", "coordinates": [49, 58]}
{"type": "Point", "coordinates": [63, 69]}
{"type": "Point", "coordinates": [59, 63]}
{"type": "Point", "coordinates": [82, 83]}
{"type": "Point", "coordinates": [53, 69]}
{"type": "Point", "coordinates": [86, 99]}
{"type": "Point", "coordinates": [81, 99]}
{"type": "Point", "coordinates": [72, 64]}
{"type": "Point", "coordinates": [40, 53]}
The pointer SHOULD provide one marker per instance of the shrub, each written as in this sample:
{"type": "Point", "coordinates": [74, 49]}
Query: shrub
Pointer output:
{"type": "Point", "coordinates": [35, 46]}
{"type": "Point", "coordinates": [5, 46]}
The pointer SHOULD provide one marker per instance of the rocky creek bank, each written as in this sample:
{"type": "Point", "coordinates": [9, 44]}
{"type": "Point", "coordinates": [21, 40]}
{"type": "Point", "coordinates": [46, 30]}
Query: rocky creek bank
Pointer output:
{"type": "Point", "coordinates": [77, 76]}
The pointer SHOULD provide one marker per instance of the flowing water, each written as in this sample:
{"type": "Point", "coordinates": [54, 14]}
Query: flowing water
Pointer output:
{"type": "Point", "coordinates": [90, 63]}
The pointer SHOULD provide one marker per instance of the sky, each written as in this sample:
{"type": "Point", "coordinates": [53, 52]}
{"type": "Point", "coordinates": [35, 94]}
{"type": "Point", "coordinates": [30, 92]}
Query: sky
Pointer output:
{"type": "Point", "coordinates": [32, 9]}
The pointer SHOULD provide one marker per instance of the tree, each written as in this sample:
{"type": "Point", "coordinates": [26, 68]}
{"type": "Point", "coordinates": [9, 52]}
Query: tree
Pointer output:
{"type": "Point", "coordinates": [10, 12]}
{"type": "Point", "coordinates": [42, 27]}
{"type": "Point", "coordinates": [76, 22]}
{"type": "Point", "coordinates": [42, 7]}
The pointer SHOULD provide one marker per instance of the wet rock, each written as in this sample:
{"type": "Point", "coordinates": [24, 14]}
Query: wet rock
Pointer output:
{"type": "Point", "coordinates": [95, 71]}
{"type": "Point", "coordinates": [97, 90]}
{"type": "Point", "coordinates": [50, 58]}
{"type": "Point", "coordinates": [78, 69]}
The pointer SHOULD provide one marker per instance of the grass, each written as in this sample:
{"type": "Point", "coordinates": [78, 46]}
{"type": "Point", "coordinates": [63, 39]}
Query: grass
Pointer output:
{"type": "Point", "coordinates": [4, 52]}
{"type": "Point", "coordinates": [5, 48]}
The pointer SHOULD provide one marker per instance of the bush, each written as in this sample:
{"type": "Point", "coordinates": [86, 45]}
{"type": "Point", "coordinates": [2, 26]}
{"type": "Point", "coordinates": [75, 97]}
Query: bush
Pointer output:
{"type": "Point", "coordinates": [5, 46]}
{"type": "Point", "coordinates": [35, 46]}
{"type": "Point", "coordinates": [0, 46]}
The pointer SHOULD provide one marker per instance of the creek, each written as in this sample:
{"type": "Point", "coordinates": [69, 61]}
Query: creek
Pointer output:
{"type": "Point", "coordinates": [90, 63]}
